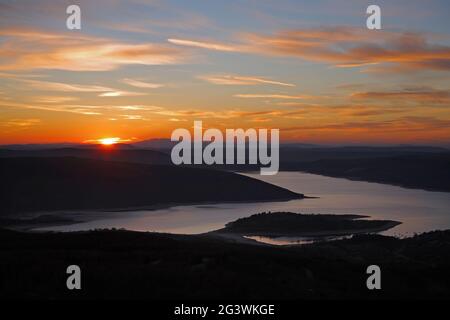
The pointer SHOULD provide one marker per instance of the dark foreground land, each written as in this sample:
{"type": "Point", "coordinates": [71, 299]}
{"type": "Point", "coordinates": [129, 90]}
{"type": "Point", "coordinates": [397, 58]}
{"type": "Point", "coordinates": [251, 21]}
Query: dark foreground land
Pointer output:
{"type": "Point", "coordinates": [121, 264]}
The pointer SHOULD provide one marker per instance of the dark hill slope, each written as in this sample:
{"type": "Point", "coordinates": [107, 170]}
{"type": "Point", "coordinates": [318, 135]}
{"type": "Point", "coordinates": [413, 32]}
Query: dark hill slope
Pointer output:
{"type": "Point", "coordinates": [37, 184]}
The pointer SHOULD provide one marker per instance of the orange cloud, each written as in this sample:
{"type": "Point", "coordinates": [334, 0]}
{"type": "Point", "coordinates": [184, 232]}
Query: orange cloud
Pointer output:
{"type": "Point", "coordinates": [25, 49]}
{"type": "Point", "coordinates": [417, 95]}
{"type": "Point", "coordinates": [54, 99]}
{"type": "Point", "coordinates": [342, 47]}
{"type": "Point", "coordinates": [77, 109]}
{"type": "Point", "coordinates": [272, 96]}
{"type": "Point", "coordinates": [65, 87]}
{"type": "Point", "coordinates": [406, 124]}
{"type": "Point", "coordinates": [139, 108]}
{"type": "Point", "coordinates": [21, 123]}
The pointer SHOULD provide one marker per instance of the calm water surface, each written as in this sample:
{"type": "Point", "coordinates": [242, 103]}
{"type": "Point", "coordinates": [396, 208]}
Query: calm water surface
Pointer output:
{"type": "Point", "coordinates": [419, 210]}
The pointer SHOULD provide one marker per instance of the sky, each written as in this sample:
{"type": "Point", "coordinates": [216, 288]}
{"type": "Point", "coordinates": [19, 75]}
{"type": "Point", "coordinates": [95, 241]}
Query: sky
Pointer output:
{"type": "Point", "coordinates": [140, 69]}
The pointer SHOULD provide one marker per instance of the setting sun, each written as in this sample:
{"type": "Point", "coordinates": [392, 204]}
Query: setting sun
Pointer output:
{"type": "Point", "coordinates": [108, 141]}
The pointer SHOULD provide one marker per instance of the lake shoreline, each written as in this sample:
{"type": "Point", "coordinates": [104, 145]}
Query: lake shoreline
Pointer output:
{"type": "Point", "coordinates": [379, 201]}
{"type": "Point", "coordinates": [82, 216]}
{"type": "Point", "coordinates": [238, 237]}
{"type": "Point", "coordinates": [356, 179]}
{"type": "Point", "coordinates": [378, 181]}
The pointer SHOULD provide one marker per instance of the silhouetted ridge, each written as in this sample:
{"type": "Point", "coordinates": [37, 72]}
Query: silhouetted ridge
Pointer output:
{"type": "Point", "coordinates": [424, 171]}
{"type": "Point", "coordinates": [36, 184]}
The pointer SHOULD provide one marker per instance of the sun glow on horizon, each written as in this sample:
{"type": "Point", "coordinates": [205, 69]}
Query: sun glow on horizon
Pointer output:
{"type": "Point", "coordinates": [109, 141]}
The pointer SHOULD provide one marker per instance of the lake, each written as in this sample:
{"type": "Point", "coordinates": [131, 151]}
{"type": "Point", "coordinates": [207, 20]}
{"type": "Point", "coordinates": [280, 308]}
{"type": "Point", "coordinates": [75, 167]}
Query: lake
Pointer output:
{"type": "Point", "coordinates": [418, 210]}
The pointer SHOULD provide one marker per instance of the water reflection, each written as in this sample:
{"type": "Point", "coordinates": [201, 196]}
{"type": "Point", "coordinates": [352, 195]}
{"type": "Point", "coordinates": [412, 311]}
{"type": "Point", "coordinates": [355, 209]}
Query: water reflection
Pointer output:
{"type": "Point", "coordinates": [418, 210]}
{"type": "Point", "coordinates": [284, 241]}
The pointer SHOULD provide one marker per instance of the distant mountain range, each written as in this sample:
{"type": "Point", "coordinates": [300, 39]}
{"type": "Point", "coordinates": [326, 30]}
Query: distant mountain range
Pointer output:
{"type": "Point", "coordinates": [167, 144]}
{"type": "Point", "coordinates": [156, 144]}
{"type": "Point", "coordinates": [118, 153]}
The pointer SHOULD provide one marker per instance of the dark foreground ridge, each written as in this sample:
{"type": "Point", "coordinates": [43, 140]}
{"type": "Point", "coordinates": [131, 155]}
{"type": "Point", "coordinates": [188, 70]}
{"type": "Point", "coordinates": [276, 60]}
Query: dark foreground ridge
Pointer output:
{"type": "Point", "coordinates": [278, 224]}
{"type": "Point", "coordinates": [121, 264]}
{"type": "Point", "coordinates": [45, 184]}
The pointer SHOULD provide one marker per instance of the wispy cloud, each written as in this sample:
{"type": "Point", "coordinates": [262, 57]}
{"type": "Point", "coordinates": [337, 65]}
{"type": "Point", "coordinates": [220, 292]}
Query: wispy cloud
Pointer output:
{"type": "Point", "coordinates": [66, 87]}
{"type": "Point", "coordinates": [20, 123]}
{"type": "Point", "coordinates": [272, 96]}
{"type": "Point", "coordinates": [139, 108]}
{"type": "Point", "coordinates": [25, 49]}
{"type": "Point", "coordinates": [54, 99]}
{"type": "Point", "coordinates": [133, 117]}
{"type": "Point", "coordinates": [21, 75]}
{"type": "Point", "coordinates": [242, 80]}
{"type": "Point", "coordinates": [142, 84]}
{"type": "Point", "coordinates": [120, 93]}
{"type": "Point", "coordinates": [177, 120]}
{"type": "Point", "coordinates": [205, 45]}
{"type": "Point", "coordinates": [76, 109]}
{"type": "Point", "coordinates": [403, 124]}
{"type": "Point", "coordinates": [414, 95]}
{"type": "Point", "coordinates": [342, 47]}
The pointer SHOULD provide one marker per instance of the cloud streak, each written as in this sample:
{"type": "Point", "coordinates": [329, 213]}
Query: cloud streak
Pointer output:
{"type": "Point", "coordinates": [272, 96]}
{"type": "Point", "coordinates": [25, 49]}
{"type": "Point", "coordinates": [210, 45]}
{"type": "Point", "coordinates": [242, 80]}
{"type": "Point", "coordinates": [65, 87]}
{"type": "Point", "coordinates": [21, 123]}
{"type": "Point", "coordinates": [341, 47]}
{"type": "Point", "coordinates": [142, 84]}
{"type": "Point", "coordinates": [416, 95]}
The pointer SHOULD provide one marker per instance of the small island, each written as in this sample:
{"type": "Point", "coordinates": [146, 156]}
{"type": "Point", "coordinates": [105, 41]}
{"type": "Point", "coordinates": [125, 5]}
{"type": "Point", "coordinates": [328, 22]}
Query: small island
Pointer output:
{"type": "Point", "coordinates": [289, 224]}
